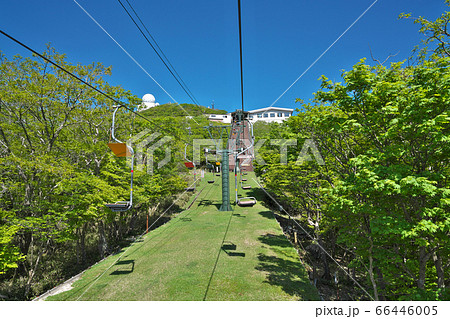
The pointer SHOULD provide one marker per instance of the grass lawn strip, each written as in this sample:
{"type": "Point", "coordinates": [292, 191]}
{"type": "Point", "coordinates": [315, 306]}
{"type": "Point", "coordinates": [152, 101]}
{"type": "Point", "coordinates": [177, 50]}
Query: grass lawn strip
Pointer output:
{"type": "Point", "coordinates": [176, 260]}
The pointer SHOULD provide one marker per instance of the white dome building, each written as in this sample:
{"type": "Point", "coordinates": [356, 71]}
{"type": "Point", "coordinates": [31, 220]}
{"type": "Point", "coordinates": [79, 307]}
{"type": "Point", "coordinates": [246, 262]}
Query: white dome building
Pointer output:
{"type": "Point", "coordinates": [148, 101]}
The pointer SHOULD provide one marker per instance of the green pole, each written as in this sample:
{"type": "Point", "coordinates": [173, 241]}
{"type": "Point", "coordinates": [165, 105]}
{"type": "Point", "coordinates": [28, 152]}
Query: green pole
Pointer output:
{"type": "Point", "coordinates": [226, 206]}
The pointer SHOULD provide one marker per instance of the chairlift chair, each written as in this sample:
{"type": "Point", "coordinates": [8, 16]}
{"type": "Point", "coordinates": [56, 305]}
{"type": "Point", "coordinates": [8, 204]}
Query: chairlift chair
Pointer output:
{"type": "Point", "coordinates": [209, 165]}
{"type": "Point", "coordinates": [120, 206]}
{"type": "Point", "coordinates": [246, 201]}
{"type": "Point", "coordinates": [120, 149]}
{"type": "Point", "coordinates": [189, 164]}
{"type": "Point", "coordinates": [245, 186]}
{"type": "Point", "coordinates": [243, 201]}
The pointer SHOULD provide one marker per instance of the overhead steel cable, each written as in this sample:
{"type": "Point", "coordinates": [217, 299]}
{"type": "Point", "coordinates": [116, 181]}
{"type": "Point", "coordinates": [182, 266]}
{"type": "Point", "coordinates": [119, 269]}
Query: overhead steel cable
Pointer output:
{"type": "Point", "coordinates": [240, 54]}
{"type": "Point", "coordinates": [162, 52]}
{"type": "Point", "coordinates": [324, 52]}
{"type": "Point", "coordinates": [184, 87]}
{"type": "Point", "coordinates": [132, 58]}
{"type": "Point", "coordinates": [85, 83]}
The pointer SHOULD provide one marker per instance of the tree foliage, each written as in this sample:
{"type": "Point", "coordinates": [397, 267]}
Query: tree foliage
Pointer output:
{"type": "Point", "coordinates": [383, 193]}
{"type": "Point", "coordinates": [437, 34]}
{"type": "Point", "coordinates": [57, 172]}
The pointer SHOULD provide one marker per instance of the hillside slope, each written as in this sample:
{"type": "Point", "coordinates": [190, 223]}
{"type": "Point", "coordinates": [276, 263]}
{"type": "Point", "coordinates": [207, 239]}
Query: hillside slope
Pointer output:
{"type": "Point", "coordinates": [203, 254]}
{"type": "Point", "coordinates": [172, 109]}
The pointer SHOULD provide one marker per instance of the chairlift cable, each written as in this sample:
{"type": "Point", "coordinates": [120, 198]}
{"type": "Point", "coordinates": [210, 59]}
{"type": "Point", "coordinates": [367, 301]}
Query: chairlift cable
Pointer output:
{"type": "Point", "coordinates": [240, 54]}
{"type": "Point", "coordinates": [85, 83]}
{"type": "Point", "coordinates": [154, 49]}
{"type": "Point", "coordinates": [182, 84]}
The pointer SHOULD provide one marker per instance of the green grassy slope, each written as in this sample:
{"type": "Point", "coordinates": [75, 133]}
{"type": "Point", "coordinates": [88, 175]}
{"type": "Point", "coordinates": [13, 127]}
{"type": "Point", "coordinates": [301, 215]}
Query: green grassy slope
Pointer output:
{"type": "Point", "coordinates": [172, 109]}
{"type": "Point", "coordinates": [203, 254]}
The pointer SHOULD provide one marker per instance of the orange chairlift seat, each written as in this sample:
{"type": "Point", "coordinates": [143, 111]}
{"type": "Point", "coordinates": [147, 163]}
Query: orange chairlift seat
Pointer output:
{"type": "Point", "coordinates": [119, 149]}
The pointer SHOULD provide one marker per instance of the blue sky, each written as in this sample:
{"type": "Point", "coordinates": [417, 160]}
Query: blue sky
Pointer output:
{"type": "Point", "coordinates": [200, 37]}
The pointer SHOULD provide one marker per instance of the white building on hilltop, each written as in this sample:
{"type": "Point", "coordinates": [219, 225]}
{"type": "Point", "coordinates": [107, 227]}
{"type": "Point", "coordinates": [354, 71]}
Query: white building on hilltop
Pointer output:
{"type": "Point", "coordinates": [148, 101]}
{"type": "Point", "coordinates": [267, 114]}
{"type": "Point", "coordinates": [270, 114]}
{"type": "Point", "coordinates": [224, 118]}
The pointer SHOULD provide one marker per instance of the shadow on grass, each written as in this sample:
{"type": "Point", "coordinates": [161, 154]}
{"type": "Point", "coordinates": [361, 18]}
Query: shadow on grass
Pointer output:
{"type": "Point", "coordinates": [275, 240]}
{"type": "Point", "coordinates": [204, 202]}
{"type": "Point", "coordinates": [267, 214]}
{"type": "Point", "coordinates": [124, 271]}
{"type": "Point", "coordinates": [208, 202]}
{"type": "Point", "coordinates": [229, 248]}
{"type": "Point", "coordinates": [235, 254]}
{"type": "Point", "coordinates": [255, 191]}
{"type": "Point", "coordinates": [290, 275]}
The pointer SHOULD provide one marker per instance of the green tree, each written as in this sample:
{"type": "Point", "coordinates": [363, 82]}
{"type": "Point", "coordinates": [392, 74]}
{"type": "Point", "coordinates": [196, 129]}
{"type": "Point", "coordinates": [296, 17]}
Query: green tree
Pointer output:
{"type": "Point", "coordinates": [436, 32]}
{"type": "Point", "coordinates": [399, 189]}
{"type": "Point", "coordinates": [41, 111]}
{"type": "Point", "coordinates": [57, 171]}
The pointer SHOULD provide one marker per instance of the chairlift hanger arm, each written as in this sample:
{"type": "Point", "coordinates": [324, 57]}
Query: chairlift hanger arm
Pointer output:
{"type": "Point", "coordinates": [119, 148]}
{"type": "Point", "coordinates": [113, 124]}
